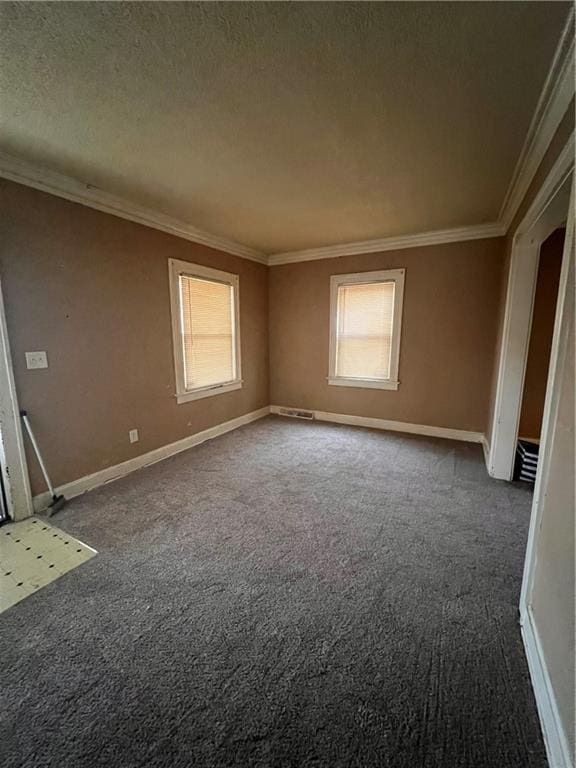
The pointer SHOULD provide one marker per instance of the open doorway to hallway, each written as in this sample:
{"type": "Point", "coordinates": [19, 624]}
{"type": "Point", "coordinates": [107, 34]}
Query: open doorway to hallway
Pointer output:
{"type": "Point", "coordinates": [538, 359]}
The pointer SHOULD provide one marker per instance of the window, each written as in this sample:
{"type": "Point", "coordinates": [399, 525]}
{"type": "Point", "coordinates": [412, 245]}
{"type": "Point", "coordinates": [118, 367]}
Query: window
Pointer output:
{"type": "Point", "coordinates": [365, 319]}
{"type": "Point", "coordinates": [205, 330]}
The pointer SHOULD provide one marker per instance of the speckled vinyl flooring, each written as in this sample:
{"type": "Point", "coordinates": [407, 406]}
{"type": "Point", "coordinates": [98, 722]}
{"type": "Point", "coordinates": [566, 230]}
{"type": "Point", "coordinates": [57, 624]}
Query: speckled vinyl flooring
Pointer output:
{"type": "Point", "coordinates": [34, 553]}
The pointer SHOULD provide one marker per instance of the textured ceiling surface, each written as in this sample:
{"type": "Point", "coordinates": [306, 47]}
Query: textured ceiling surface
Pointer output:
{"type": "Point", "coordinates": [281, 125]}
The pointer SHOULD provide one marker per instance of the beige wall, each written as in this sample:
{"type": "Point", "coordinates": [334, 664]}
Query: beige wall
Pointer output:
{"type": "Point", "coordinates": [541, 332]}
{"type": "Point", "coordinates": [553, 598]}
{"type": "Point", "coordinates": [448, 335]}
{"type": "Point", "coordinates": [92, 290]}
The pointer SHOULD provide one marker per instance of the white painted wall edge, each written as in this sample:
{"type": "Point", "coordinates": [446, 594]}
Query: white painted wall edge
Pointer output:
{"type": "Point", "coordinates": [555, 740]}
{"type": "Point", "coordinates": [89, 482]}
{"type": "Point", "coordinates": [392, 426]}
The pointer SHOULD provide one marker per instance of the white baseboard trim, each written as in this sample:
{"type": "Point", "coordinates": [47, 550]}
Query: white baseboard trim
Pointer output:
{"type": "Point", "coordinates": [88, 482]}
{"type": "Point", "coordinates": [555, 740]}
{"type": "Point", "coordinates": [392, 426]}
{"type": "Point", "coordinates": [486, 449]}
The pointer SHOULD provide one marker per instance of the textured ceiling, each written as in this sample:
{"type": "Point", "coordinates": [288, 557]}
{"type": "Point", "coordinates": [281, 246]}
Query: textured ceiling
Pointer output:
{"type": "Point", "coordinates": [281, 125]}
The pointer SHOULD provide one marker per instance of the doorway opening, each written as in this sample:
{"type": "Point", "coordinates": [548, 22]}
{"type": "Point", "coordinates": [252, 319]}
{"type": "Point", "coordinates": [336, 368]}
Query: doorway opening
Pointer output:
{"type": "Point", "coordinates": [547, 213]}
{"type": "Point", "coordinates": [538, 358]}
{"type": "Point", "coordinates": [15, 496]}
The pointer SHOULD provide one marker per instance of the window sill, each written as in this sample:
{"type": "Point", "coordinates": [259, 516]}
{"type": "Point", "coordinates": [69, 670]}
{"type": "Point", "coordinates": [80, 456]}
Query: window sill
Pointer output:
{"type": "Point", "coordinates": [216, 389]}
{"type": "Point", "coordinates": [363, 383]}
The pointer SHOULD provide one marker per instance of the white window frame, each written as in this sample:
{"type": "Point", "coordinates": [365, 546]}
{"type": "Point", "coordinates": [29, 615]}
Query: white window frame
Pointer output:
{"type": "Point", "coordinates": [395, 276]}
{"type": "Point", "coordinates": [175, 269]}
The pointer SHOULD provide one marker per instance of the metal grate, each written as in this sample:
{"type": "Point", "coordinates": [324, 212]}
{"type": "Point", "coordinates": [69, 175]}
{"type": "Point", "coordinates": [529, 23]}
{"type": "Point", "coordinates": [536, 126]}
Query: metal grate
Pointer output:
{"type": "Point", "coordinates": [3, 503]}
{"type": "Point", "coordinates": [296, 414]}
{"type": "Point", "coordinates": [526, 464]}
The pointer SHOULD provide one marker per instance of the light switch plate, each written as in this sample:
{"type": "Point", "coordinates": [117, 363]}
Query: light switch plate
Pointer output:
{"type": "Point", "coordinates": [36, 360]}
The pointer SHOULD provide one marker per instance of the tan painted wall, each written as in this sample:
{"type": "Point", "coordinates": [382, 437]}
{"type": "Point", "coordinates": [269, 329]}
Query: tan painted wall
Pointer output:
{"type": "Point", "coordinates": [92, 290]}
{"type": "Point", "coordinates": [553, 598]}
{"type": "Point", "coordinates": [540, 345]}
{"type": "Point", "coordinates": [448, 335]}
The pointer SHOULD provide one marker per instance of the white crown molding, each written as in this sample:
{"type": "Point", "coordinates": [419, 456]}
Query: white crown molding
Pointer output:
{"type": "Point", "coordinates": [562, 168]}
{"type": "Point", "coordinates": [553, 103]}
{"type": "Point", "coordinates": [555, 98]}
{"type": "Point", "coordinates": [25, 173]}
{"type": "Point", "coordinates": [456, 235]}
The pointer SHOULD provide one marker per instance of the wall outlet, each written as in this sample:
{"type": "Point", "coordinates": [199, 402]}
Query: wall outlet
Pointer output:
{"type": "Point", "coordinates": [36, 360]}
{"type": "Point", "coordinates": [133, 435]}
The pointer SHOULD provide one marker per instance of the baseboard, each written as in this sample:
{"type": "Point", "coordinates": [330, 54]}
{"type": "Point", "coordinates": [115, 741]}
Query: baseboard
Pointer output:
{"type": "Point", "coordinates": [486, 449]}
{"type": "Point", "coordinates": [87, 483]}
{"type": "Point", "coordinates": [557, 747]}
{"type": "Point", "coordinates": [393, 426]}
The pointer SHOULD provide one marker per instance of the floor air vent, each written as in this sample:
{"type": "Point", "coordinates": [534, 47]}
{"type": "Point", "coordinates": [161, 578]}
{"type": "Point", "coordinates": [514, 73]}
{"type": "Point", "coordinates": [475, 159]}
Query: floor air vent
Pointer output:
{"type": "Point", "coordinates": [295, 414]}
{"type": "Point", "coordinates": [526, 461]}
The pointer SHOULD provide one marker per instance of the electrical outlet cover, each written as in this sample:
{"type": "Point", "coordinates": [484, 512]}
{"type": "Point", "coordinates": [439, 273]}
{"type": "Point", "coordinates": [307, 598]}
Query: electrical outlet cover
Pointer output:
{"type": "Point", "coordinates": [36, 360]}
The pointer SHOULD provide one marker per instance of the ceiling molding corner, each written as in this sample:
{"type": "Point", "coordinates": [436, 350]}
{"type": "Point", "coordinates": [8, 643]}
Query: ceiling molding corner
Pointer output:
{"type": "Point", "coordinates": [557, 92]}
{"type": "Point", "coordinates": [66, 187]}
{"type": "Point", "coordinates": [438, 237]}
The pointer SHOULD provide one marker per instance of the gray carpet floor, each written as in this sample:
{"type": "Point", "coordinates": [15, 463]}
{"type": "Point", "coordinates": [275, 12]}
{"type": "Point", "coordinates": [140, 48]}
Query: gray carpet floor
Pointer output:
{"type": "Point", "coordinates": [289, 594]}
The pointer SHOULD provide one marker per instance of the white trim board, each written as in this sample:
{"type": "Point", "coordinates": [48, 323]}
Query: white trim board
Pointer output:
{"type": "Point", "coordinates": [557, 92]}
{"type": "Point", "coordinates": [393, 277]}
{"type": "Point", "coordinates": [12, 454]}
{"type": "Point", "coordinates": [89, 482]}
{"type": "Point", "coordinates": [561, 169]}
{"type": "Point", "coordinates": [486, 450]}
{"type": "Point", "coordinates": [555, 740]}
{"type": "Point", "coordinates": [438, 237]}
{"type": "Point", "coordinates": [553, 103]}
{"type": "Point", "coordinates": [558, 358]}
{"type": "Point", "coordinates": [544, 215]}
{"type": "Point", "coordinates": [68, 188]}
{"type": "Point", "coordinates": [176, 270]}
{"type": "Point", "coordinates": [391, 426]}
{"type": "Point", "coordinates": [58, 184]}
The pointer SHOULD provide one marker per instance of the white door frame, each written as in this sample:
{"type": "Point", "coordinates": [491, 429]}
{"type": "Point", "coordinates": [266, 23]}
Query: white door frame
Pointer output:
{"type": "Point", "coordinates": [12, 455]}
{"type": "Point", "coordinates": [547, 212]}
{"type": "Point", "coordinates": [558, 355]}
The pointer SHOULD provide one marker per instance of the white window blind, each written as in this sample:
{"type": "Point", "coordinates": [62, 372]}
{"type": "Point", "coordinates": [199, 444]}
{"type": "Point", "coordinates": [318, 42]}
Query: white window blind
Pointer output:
{"type": "Point", "coordinates": [207, 320]}
{"type": "Point", "coordinates": [365, 325]}
{"type": "Point", "coordinates": [364, 330]}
